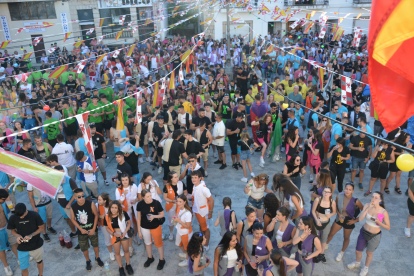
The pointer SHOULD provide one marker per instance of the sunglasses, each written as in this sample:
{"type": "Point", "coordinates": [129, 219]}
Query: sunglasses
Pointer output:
{"type": "Point", "coordinates": [191, 161]}
{"type": "Point", "coordinates": [79, 197]}
{"type": "Point", "coordinates": [265, 178]}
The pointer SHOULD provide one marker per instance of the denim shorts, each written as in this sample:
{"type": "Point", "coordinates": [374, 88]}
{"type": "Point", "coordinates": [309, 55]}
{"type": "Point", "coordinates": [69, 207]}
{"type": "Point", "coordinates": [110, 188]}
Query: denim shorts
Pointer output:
{"type": "Point", "coordinates": [245, 154]}
{"type": "Point", "coordinates": [255, 203]}
{"type": "Point", "coordinates": [358, 163]}
{"type": "Point", "coordinates": [411, 174]}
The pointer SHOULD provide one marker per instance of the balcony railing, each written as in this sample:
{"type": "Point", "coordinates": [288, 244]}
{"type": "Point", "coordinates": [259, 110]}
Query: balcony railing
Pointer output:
{"type": "Point", "coordinates": [306, 2]}
{"type": "Point", "coordinates": [111, 35]}
{"type": "Point", "coordinates": [362, 1]}
{"type": "Point", "coordinates": [103, 4]}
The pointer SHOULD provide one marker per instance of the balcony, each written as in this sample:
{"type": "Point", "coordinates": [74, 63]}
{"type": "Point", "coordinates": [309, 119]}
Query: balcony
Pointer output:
{"type": "Point", "coordinates": [112, 35]}
{"type": "Point", "coordinates": [310, 3]}
{"type": "Point", "coordinates": [102, 4]}
{"type": "Point", "coordinates": [362, 3]}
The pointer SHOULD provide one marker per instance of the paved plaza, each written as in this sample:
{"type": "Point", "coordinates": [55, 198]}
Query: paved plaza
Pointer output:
{"type": "Point", "coordinates": [393, 256]}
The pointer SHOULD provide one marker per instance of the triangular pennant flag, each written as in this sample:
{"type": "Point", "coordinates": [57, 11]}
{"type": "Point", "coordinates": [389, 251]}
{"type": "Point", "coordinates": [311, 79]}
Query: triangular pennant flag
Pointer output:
{"type": "Point", "coordinates": [134, 29]}
{"type": "Point", "coordinates": [78, 44]}
{"type": "Point", "coordinates": [100, 38]}
{"type": "Point", "coordinates": [118, 35]}
{"type": "Point", "coordinates": [20, 30]}
{"type": "Point", "coordinates": [115, 53]}
{"type": "Point", "coordinates": [340, 20]}
{"type": "Point", "coordinates": [51, 50]}
{"type": "Point", "coordinates": [156, 95]}
{"type": "Point", "coordinates": [100, 58]}
{"type": "Point", "coordinates": [36, 40]}
{"type": "Point", "coordinates": [27, 56]}
{"type": "Point", "coordinates": [172, 80]}
{"type": "Point", "coordinates": [101, 21]}
{"type": "Point", "coordinates": [180, 73]}
{"type": "Point", "coordinates": [58, 71]}
{"type": "Point", "coordinates": [121, 19]}
{"type": "Point", "coordinates": [78, 69]}
{"type": "Point", "coordinates": [67, 36]}
{"type": "Point", "coordinates": [358, 16]}
{"type": "Point", "coordinates": [120, 116]}
{"type": "Point", "coordinates": [90, 31]}
{"type": "Point", "coordinates": [138, 115]}
{"type": "Point", "coordinates": [21, 77]}
{"type": "Point", "coordinates": [131, 50]}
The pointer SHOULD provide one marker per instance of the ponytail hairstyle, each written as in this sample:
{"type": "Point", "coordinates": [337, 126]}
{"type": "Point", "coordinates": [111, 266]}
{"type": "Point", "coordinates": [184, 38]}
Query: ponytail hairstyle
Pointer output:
{"type": "Point", "coordinates": [186, 205]}
{"type": "Point", "coordinates": [249, 210]}
{"type": "Point", "coordinates": [278, 260]}
{"type": "Point", "coordinates": [382, 203]}
{"type": "Point", "coordinates": [227, 202]}
{"type": "Point", "coordinates": [255, 226]}
{"type": "Point", "coordinates": [195, 245]}
{"type": "Point", "coordinates": [309, 222]}
{"type": "Point", "coordinates": [284, 211]}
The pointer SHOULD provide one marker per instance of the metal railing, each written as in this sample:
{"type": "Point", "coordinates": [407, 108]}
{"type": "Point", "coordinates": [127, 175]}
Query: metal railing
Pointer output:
{"type": "Point", "coordinates": [362, 1]}
{"type": "Point", "coordinates": [306, 2]}
{"type": "Point", "coordinates": [112, 35]}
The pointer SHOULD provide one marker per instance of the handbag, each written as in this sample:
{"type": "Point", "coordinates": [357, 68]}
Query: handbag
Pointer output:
{"type": "Point", "coordinates": [161, 220]}
{"type": "Point", "coordinates": [131, 232]}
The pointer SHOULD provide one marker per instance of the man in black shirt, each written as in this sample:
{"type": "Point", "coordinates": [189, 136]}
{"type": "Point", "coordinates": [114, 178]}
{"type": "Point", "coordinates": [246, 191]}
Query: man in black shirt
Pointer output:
{"type": "Point", "coordinates": [70, 83]}
{"type": "Point", "coordinates": [242, 81]}
{"type": "Point", "coordinates": [360, 155]}
{"type": "Point", "coordinates": [26, 227]}
{"type": "Point", "coordinates": [355, 115]}
{"type": "Point", "coordinates": [159, 130]}
{"type": "Point", "coordinates": [234, 128]}
{"type": "Point", "coordinates": [191, 145]}
{"type": "Point", "coordinates": [99, 150]}
{"type": "Point", "coordinates": [121, 168]}
{"type": "Point", "coordinates": [173, 150]}
{"type": "Point", "coordinates": [84, 216]}
{"type": "Point", "coordinates": [201, 117]}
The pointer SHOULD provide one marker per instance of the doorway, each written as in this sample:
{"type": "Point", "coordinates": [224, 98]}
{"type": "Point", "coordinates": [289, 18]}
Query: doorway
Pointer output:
{"type": "Point", "coordinates": [39, 49]}
{"type": "Point", "coordinates": [88, 38]}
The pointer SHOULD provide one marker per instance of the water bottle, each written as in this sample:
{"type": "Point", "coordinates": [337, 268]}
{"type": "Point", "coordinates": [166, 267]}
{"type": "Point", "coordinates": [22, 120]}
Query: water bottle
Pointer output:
{"type": "Point", "coordinates": [61, 239]}
{"type": "Point", "coordinates": [107, 270]}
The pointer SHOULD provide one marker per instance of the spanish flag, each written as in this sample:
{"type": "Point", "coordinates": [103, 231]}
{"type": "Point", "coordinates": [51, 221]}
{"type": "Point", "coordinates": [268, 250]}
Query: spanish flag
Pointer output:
{"type": "Point", "coordinates": [101, 21]}
{"type": "Point", "coordinates": [391, 74]}
{"type": "Point", "coordinates": [172, 80]}
{"type": "Point", "coordinates": [265, 9]}
{"type": "Point", "coordinates": [118, 35]}
{"type": "Point", "coordinates": [27, 56]}
{"type": "Point", "coordinates": [120, 116]}
{"type": "Point", "coordinates": [4, 44]}
{"type": "Point", "coordinates": [131, 50]}
{"type": "Point", "coordinates": [175, 9]}
{"type": "Point", "coordinates": [147, 21]}
{"type": "Point", "coordinates": [321, 78]}
{"type": "Point", "coordinates": [58, 71]}
{"type": "Point", "coordinates": [156, 94]}
{"type": "Point", "coordinates": [100, 58]}
{"type": "Point", "coordinates": [78, 44]}
{"type": "Point", "coordinates": [308, 27]}
{"type": "Point", "coordinates": [269, 50]}
{"type": "Point", "coordinates": [282, 12]}
{"type": "Point", "coordinates": [67, 36]}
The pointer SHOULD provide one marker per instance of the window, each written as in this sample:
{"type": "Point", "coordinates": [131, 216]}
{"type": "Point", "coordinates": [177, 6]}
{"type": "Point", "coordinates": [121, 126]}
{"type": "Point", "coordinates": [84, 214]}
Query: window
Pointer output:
{"type": "Point", "coordinates": [112, 17]}
{"type": "Point", "coordinates": [32, 10]}
{"type": "Point", "coordinates": [145, 31]}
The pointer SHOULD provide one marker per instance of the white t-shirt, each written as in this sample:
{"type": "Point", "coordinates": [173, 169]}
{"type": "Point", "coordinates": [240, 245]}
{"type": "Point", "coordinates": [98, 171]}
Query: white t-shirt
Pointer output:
{"type": "Point", "coordinates": [153, 190]}
{"type": "Point", "coordinates": [89, 177]}
{"type": "Point", "coordinates": [183, 118]}
{"type": "Point", "coordinates": [44, 197]}
{"type": "Point", "coordinates": [144, 70]}
{"type": "Point", "coordinates": [201, 193]}
{"type": "Point", "coordinates": [219, 130]}
{"type": "Point", "coordinates": [184, 216]}
{"type": "Point", "coordinates": [119, 74]}
{"type": "Point", "coordinates": [64, 153]}
{"type": "Point", "coordinates": [154, 63]}
{"type": "Point", "coordinates": [27, 89]}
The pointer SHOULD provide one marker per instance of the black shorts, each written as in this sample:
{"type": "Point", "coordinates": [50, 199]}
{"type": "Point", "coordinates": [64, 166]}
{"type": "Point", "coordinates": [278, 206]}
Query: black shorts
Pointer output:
{"type": "Point", "coordinates": [160, 151]}
{"type": "Point", "coordinates": [379, 171]}
{"type": "Point", "coordinates": [233, 146]}
{"type": "Point", "coordinates": [410, 205]}
{"type": "Point", "coordinates": [108, 124]}
{"type": "Point", "coordinates": [166, 167]}
{"type": "Point", "coordinates": [71, 129]}
{"type": "Point", "coordinates": [344, 224]}
{"type": "Point", "coordinates": [393, 167]}
{"type": "Point", "coordinates": [220, 149]}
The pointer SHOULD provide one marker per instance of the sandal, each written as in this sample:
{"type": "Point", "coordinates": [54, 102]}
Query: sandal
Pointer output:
{"type": "Point", "coordinates": [387, 190]}
{"type": "Point", "coordinates": [398, 190]}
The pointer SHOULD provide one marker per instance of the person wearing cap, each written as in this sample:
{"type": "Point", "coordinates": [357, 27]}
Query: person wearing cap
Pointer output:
{"type": "Point", "coordinates": [96, 113]}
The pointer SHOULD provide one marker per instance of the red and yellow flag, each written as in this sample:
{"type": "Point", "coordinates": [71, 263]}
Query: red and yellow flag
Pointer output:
{"type": "Point", "coordinates": [67, 36]}
{"type": "Point", "coordinates": [147, 21]}
{"type": "Point", "coordinates": [175, 9]}
{"type": "Point", "coordinates": [334, 27]}
{"type": "Point", "coordinates": [321, 78]}
{"type": "Point", "coordinates": [391, 74]}
{"type": "Point", "coordinates": [27, 56]}
{"type": "Point", "coordinates": [131, 50]}
{"type": "Point", "coordinates": [4, 44]}
{"type": "Point", "coordinates": [156, 94]}
{"type": "Point", "coordinates": [172, 80]}
{"type": "Point", "coordinates": [58, 71]}
{"type": "Point", "coordinates": [78, 44]}
{"type": "Point", "coordinates": [358, 16]}
{"type": "Point", "coordinates": [118, 35]}
{"type": "Point", "coordinates": [100, 58]}
{"type": "Point", "coordinates": [308, 27]}
{"type": "Point", "coordinates": [120, 116]}
{"type": "Point", "coordinates": [101, 21]}
{"type": "Point", "coordinates": [269, 50]}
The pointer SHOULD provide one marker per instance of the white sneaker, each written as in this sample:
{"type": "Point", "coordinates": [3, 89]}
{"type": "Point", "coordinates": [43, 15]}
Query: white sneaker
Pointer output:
{"type": "Point", "coordinates": [262, 160]}
{"type": "Point", "coordinates": [244, 179]}
{"type": "Point", "coordinates": [8, 271]}
{"type": "Point", "coordinates": [364, 271]}
{"type": "Point", "coordinates": [164, 237]}
{"type": "Point", "coordinates": [131, 251]}
{"type": "Point", "coordinates": [182, 255]}
{"type": "Point", "coordinates": [159, 170]}
{"type": "Point", "coordinates": [206, 248]}
{"type": "Point", "coordinates": [149, 159]}
{"type": "Point", "coordinates": [112, 256]}
{"type": "Point", "coordinates": [311, 177]}
{"type": "Point", "coordinates": [261, 165]}
{"type": "Point", "coordinates": [122, 253]}
{"type": "Point", "coordinates": [171, 237]}
{"type": "Point", "coordinates": [183, 263]}
{"type": "Point", "coordinates": [277, 157]}
{"type": "Point", "coordinates": [339, 256]}
{"type": "Point", "coordinates": [141, 160]}
{"type": "Point", "coordinates": [407, 232]}
{"type": "Point", "coordinates": [354, 265]}
{"type": "Point", "coordinates": [205, 174]}
{"type": "Point", "coordinates": [106, 183]}
{"type": "Point", "coordinates": [292, 256]}
{"type": "Point", "coordinates": [252, 174]}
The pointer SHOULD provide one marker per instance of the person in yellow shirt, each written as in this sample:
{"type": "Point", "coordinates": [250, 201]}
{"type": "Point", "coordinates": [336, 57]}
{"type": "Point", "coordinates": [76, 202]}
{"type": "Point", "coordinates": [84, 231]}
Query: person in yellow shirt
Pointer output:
{"type": "Point", "coordinates": [188, 107]}
{"type": "Point", "coordinates": [277, 93]}
{"type": "Point", "coordinates": [289, 87]}
{"type": "Point", "coordinates": [276, 82]}
{"type": "Point", "coordinates": [255, 90]}
{"type": "Point", "coordinates": [285, 81]}
{"type": "Point", "coordinates": [249, 100]}
{"type": "Point", "coordinates": [304, 90]}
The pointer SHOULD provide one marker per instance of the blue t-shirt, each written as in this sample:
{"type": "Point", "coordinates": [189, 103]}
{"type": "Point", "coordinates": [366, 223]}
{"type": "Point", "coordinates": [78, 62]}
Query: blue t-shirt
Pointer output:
{"type": "Point", "coordinates": [81, 165]}
{"type": "Point", "coordinates": [315, 118]}
{"type": "Point", "coordinates": [333, 116]}
{"type": "Point", "coordinates": [292, 122]}
{"type": "Point", "coordinates": [4, 179]}
{"type": "Point", "coordinates": [336, 129]}
{"type": "Point", "coordinates": [298, 114]}
{"type": "Point", "coordinates": [281, 61]}
{"type": "Point", "coordinates": [296, 62]}
{"type": "Point", "coordinates": [342, 109]}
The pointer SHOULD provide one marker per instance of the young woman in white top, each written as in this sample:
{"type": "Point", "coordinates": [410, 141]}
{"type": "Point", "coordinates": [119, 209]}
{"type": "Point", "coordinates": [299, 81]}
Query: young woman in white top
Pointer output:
{"type": "Point", "coordinates": [289, 191]}
{"type": "Point", "coordinates": [147, 183]}
{"type": "Point", "coordinates": [171, 191]}
{"type": "Point", "coordinates": [126, 194]}
{"type": "Point", "coordinates": [370, 234]}
{"type": "Point", "coordinates": [102, 206]}
{"type": "Point", "coordinates": [182, 221]}
{"type": "Point", "coordinates": [228, 256]}
{"type": "Point", "coordinates": [256, 188]}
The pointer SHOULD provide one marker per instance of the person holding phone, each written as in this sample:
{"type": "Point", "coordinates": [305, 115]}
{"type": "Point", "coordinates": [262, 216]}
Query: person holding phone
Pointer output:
{"type": "Point", "coordinates": [370, 234]}
{"type": "Point", "coordinates": [339, 154]}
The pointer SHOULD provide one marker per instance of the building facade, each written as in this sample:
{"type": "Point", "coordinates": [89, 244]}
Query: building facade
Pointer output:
{"type": "Point", "coordinates": [264, 24]}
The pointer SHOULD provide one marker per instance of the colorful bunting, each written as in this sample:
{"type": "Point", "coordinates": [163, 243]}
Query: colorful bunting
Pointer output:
{"type": "Point", "coordinates": [20, 30]}
{"type": "Point", "coordinates": [172, 80]}
{"type": "Point", "coordinates": [156, 95]}
{"type": "Point", "coordinates": [78, 44]}
{"type": "Point", "coordinates": [67, 36]}
{"type": "Point", "coordinates": [138, 115]}
{"type": "Point", "coordinates": [311, 23]}
{"type": "Point", "coordinates": [101, 21]}
{"type": "Point", "coordinates": [131, 50]}
{"type": "Point", "coordinates": [100, 58]}
{"type": "Point", "coordinates": [27, 56]}
{"type": "Point", "coordinates": [36, 40]}
{"type": "Point", "coordinates": [121, 20]}
{"type": "Point", "coordinates": [120, 116]}
{"type": "Point", "coordinates": [321, 77]}
{"type": "Point", "coordinates": [58, 71]}
{"type": "Point", "coordinates": [86, 131]}
{"type": "Point", "coordinates": [78, 69]}
{"type": "Point", "coordinates": [90, 31]}
{"type": "Point", "coordinates": [118, 35]}
{"type": "Point", "coordinates": [346, 91]}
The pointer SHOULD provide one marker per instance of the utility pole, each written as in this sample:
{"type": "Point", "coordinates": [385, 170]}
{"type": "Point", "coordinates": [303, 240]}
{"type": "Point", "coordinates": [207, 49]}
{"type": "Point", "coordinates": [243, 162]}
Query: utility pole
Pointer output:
{"type": "Point", "coordinates": [228, 32]}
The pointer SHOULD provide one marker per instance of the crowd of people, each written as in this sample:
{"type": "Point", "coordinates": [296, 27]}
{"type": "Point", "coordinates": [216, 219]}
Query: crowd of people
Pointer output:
{"type": "Point", "coordinates": [206, 109]}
